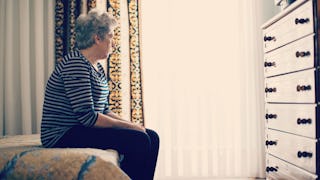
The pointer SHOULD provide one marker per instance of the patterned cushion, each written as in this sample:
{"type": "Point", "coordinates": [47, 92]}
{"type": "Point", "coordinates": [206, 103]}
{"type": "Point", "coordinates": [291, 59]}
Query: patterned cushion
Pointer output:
{"type": "Point", "coordinates": [22, 157]}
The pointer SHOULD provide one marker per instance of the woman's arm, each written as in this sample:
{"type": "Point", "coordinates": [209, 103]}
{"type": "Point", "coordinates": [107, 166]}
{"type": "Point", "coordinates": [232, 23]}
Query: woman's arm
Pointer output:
{"type": "Point", "coordinates": [115, 116]}
{"type": "Point", "coordinates": [108, 121]}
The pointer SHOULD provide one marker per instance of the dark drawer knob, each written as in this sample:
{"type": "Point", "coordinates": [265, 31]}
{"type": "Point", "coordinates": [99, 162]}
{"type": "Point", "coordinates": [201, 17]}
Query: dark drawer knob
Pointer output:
{"type": "Point", "coordinates": [301, 20]}
{"type": "Point", "coordinates": [269, 64]}
{"type": "Point", "coordinates": [304, 154]}
{"type": "Point", "coordinates": [271, 116]}
{"type": "Point", "coordinates": [271, 169]}
{"type": "Point", "coordinates": [302, 54]}
{"type": "Point", "coordinates": [304, 121]}
{"type": "Point", "coordinates": [270, 143]}
{"type": "Point", "coordinates": [268, 38]}
{"type": "Point", "coordinates": [270, 90]}
{"type": "Point", "coordinates": [303, 88]}
{"type": "Point", "coordinates": [308, 87]}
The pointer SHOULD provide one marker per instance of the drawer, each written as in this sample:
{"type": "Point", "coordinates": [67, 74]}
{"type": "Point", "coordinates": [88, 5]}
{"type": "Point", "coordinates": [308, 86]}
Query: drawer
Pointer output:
{"type": "Point", "coordinates": [294, 149]}
{"type": "Point", "coordinates": [279, 169]}
{"type": "Point", "coordinates": [295, 87]}
{"type": "Point", "coordinates": [295, 25]}
{"type": "Point", "coordinates": [295, 56]}
{"type": "Point", "coordinates": [298, 119]}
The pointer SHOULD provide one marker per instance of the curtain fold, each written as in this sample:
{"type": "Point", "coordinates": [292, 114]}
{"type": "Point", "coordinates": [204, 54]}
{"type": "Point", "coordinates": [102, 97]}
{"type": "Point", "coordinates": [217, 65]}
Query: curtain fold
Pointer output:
{"type": "Point", "coordinates": [2, 56]}
{"type": "Point", "coordinates": [26, 59]}
{"type": "Point", "coordinates": [24, 32]}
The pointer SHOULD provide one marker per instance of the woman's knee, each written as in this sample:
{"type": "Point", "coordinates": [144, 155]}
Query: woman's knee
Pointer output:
{"type": "Point", "coordinates": [154, 137]}
{"type": "Point", "coordinates": [140, 142]}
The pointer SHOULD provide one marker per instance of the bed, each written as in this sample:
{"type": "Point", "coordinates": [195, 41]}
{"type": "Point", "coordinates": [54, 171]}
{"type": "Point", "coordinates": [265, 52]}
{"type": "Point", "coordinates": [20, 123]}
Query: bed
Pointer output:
{"type": "Point", "coordinates": [23, 157]}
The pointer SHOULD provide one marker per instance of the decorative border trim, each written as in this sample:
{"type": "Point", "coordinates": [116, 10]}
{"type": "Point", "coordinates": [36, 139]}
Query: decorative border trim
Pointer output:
{"type": "Point", "coordinates": [72, 25]}
{"type": "Point", "coordinates": [137, 115]}
{"type": "Point", "coordinates": [114, 63]}
{"type": "Point", "coordinates": [59, 18]}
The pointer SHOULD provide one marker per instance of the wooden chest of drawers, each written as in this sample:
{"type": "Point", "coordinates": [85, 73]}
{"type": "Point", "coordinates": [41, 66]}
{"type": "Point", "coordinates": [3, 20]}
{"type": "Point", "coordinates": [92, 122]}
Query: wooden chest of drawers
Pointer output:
{"type": "Point", "coordinates": [292, 92]}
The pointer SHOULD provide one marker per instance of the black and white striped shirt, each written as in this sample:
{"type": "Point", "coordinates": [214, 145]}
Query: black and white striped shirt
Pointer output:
{"type": "Point", "coordinates": [75, 93]}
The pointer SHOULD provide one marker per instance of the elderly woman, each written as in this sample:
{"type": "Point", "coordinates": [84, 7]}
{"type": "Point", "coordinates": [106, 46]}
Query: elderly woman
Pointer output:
{"type": "Point", "coordinates": [76, 112]}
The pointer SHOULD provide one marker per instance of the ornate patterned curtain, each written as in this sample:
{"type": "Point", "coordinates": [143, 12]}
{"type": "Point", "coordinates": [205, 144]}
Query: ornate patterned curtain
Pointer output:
{"type": "Point", "coordinates": [66, 13]}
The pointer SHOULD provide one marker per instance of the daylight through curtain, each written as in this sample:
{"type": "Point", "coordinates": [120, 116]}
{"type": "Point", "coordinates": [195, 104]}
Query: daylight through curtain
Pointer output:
{"type": "Point", "coordinates": [203, 87]}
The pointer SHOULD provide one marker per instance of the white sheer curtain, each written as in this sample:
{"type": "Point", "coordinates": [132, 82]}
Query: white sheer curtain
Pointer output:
{"type": "Point", "coordinates": [203, 87]}
{"type": "Point", "coordinates": [26, 60]}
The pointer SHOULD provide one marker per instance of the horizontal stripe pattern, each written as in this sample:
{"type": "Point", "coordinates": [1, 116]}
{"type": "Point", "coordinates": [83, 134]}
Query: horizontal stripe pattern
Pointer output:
{"type": "Point", "coordinates": [75, 93]}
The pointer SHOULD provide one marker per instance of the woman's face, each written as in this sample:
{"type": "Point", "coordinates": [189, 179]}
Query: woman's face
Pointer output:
{"type": "Point", "coordinates": [105, 46]}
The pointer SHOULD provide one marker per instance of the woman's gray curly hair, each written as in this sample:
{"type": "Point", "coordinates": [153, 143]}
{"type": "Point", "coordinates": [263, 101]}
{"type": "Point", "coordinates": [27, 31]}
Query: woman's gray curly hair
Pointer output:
{"type": "Point", "coordinates": [94, 23]}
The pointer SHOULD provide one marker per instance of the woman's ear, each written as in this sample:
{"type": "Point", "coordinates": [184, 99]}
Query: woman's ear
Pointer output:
{"type": "Point", "coordinates": [96, 39]}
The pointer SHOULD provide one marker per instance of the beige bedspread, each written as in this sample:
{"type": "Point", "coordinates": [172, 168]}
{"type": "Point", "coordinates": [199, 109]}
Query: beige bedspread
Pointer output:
{"type": "Point", "coordinates": [22, 157]}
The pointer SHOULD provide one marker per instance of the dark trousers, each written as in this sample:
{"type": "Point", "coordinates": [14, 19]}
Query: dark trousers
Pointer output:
{"type": "Point", "coordinates": [140, 149]}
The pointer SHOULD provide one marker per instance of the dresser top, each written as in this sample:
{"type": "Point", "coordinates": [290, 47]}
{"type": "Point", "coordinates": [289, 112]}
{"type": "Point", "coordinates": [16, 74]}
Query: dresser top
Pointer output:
{"type": "Point", "coordinates": [283, 13]}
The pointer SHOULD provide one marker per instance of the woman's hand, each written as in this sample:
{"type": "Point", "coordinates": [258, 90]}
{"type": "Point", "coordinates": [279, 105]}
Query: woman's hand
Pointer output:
{"type": "Point", "coordinates": [107, 121]}
{"type": "Point", "coordinates": [138, 127]}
